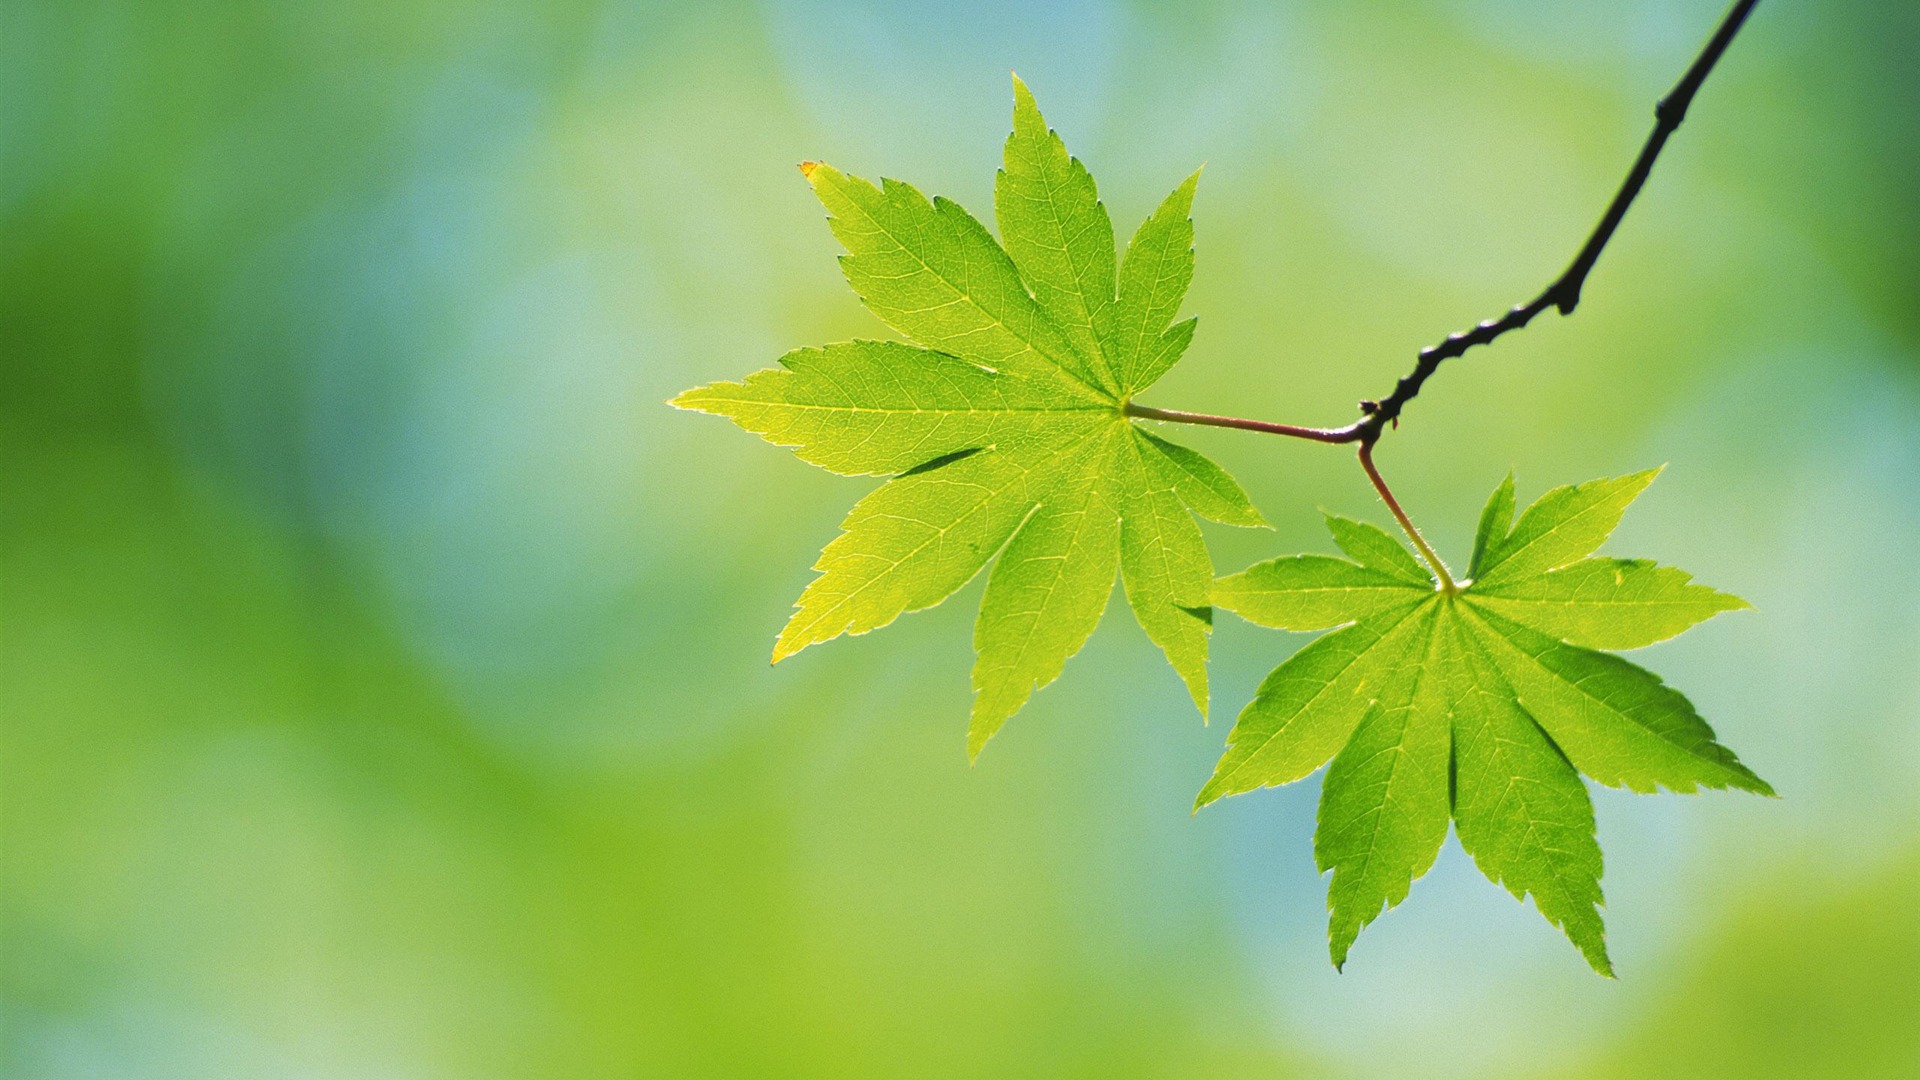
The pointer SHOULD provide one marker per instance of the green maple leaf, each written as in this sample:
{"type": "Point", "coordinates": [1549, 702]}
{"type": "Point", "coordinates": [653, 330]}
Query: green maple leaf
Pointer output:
{"type": "Point", "coordinates": [1003, 427]}
{"type": "Point", "coordinates": [1480, 706]}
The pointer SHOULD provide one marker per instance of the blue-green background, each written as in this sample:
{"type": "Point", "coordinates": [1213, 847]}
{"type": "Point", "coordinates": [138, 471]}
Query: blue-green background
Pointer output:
{"type": "Point", "coordinates": [384, 671]}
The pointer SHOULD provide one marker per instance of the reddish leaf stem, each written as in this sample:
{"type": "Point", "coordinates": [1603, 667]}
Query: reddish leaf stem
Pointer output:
{"type": "Point", "coordinates": [1386, 495]}
{"type": "Point", "coordinates": [1174, 416]}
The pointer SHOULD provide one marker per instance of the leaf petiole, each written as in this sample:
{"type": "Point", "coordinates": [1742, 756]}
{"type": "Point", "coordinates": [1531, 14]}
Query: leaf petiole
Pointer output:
{"type": "Point", "coordinates": [1386, 495]}
{"type": "Point", "coordinates": [1351, 433]}
{"type": "Point", "coordinates": [1175, 416]}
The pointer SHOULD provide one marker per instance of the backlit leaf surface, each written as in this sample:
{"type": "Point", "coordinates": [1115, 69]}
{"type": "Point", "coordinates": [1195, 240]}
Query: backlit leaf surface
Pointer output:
{"type": "Point", "coordinates": [1481, 706]}
{"type": "Point", "coordinates": [1000, 422]}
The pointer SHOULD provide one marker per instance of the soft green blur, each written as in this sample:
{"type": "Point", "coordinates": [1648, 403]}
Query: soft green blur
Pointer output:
{"type": "Point", "coordinates": [384, 677]}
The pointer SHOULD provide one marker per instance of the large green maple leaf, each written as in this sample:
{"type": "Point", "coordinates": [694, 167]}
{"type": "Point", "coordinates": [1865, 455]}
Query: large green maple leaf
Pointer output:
{"type": "Point", "coordinates": [1480, 705]}
{"type": "Point", "coordinates": [1003, 427]}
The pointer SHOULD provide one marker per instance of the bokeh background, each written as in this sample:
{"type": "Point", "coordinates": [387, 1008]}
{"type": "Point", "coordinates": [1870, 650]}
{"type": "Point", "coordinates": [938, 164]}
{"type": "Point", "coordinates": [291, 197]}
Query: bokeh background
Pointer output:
{"type": "Point", "coordinates": [385, 665]}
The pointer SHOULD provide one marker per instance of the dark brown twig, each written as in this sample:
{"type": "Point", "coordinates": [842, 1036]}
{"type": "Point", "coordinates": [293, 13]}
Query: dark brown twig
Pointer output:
{"type": "Point", "coordinates": [1563, 294]}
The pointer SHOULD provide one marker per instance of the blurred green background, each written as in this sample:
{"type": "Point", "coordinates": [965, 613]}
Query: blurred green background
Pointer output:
{"type": "Point", "coordinates": [384, 667]}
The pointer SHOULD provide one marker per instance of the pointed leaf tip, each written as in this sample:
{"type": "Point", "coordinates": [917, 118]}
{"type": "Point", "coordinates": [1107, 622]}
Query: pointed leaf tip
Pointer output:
{"type": "Point", "coordinates": [1026, 111]}
{"type": "Point", "coordinates": [976, 742]}
{"type": "Point", "coordinates": [786, 645]}
{"type": "Point", "coordinates": [807, 168]}
{"type": "Point", "coordinates": [1209, 794]}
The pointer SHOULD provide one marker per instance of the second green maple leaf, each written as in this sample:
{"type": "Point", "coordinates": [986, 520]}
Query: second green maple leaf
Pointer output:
{"type": "Point", "coordinates": [1478, 705]}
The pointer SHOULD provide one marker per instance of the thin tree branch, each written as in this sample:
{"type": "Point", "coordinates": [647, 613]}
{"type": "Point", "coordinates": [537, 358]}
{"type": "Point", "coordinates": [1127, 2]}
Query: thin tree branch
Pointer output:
{"type": "Point", "coordinates": [1564, 293]}
{"type": "Point", "coordinates": [1406, 523]}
